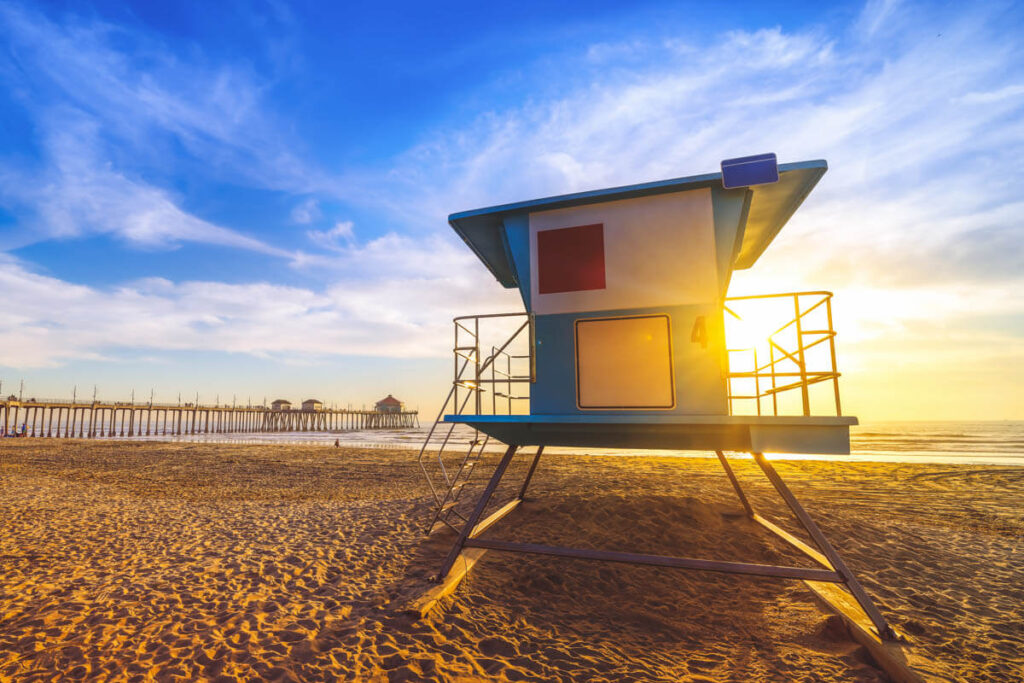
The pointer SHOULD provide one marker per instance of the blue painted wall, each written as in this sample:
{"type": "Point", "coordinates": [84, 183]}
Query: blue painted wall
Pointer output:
{"type": "Point", "coordinates": [699, 379]}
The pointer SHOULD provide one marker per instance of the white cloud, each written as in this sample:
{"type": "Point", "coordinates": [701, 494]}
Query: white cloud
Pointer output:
{"type": "Point", "coordinates": [341, 236]}
{"type": "Point", "coordinates": [107, 103]}
{"type": "Point", "coordinates": [112, 108]}
{"type": "Point", "coordinates": [1015, 90]}
{"type": "Point", "coordinates": [140, 89]}
{"type": "Point", "coordinates": [396, 301]}
{"type": "Point", "coordinates": [875, 15]}
{"type": "Point", "coordinates": [78, 194]}
{"type": "Point", "coordinates": [306, 212]}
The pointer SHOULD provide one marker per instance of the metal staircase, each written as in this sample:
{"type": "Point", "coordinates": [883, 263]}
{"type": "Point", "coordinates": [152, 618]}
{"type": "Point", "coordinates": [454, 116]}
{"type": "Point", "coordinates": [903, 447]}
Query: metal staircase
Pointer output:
{"type": "Point", "coordinates": [475, 376]}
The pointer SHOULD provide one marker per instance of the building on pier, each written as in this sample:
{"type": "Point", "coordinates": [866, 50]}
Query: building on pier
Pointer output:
{"type": "Point", "coordinates": [389, 404]}
{"type": "Point", "coordinates": [312, 404]}
{"type": "Point", "coordinates": [281, 404]}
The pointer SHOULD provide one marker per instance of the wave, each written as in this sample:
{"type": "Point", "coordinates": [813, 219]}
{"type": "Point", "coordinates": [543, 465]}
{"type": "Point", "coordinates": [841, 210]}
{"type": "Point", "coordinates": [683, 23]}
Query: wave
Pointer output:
{"type": "Point", "coordinates": [968, 442]}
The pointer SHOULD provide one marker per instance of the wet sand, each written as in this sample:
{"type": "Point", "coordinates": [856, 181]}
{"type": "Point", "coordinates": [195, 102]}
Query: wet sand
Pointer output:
{"type": "Point", "coordinates": [180, 561]}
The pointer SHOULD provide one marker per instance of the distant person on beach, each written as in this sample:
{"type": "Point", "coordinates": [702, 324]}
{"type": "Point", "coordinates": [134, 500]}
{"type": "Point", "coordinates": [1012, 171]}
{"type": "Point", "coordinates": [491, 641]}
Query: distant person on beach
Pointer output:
{"type": "Point", "coordinates": [337, 444]}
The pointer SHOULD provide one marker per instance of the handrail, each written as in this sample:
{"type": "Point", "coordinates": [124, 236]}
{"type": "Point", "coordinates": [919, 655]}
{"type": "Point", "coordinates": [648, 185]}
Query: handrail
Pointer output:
{"type": "Point", "coordinates": [785, 365]}
{"type": "Point", "coordinates": [765, 374]}
{"type": "Point", "coordinates": [778, 295]}
{"type": "Point", "coordinates": [468, 384]}
{"type": "Point", "coordinates": [799, 316]}
{"type": "Point", "coordinates": [481, 316]}
{"type": "Point", "coordinates": [499, 362]}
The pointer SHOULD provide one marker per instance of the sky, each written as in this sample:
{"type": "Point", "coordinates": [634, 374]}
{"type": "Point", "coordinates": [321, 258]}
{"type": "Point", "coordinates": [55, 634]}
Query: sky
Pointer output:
{"type": "Point", "coordinates": [249, 200]}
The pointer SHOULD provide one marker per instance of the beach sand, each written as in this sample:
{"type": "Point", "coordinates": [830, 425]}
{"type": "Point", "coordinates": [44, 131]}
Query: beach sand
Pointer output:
{"type": "Point", "coordinates": [130, 560]}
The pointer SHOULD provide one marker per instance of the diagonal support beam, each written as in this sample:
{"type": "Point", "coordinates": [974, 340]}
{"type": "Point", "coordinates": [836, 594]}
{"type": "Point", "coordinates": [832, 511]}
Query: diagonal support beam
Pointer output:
{"type": "Point", "coordinates": [478, 512]}
{"type": "Point", "coordinates": [833, 557]}
{"type": "Point", "coordinates": [529, 475]}
{"type": "Point", "coordinates": [735, 483]}
{"type": "Point", "coordinates": [422, 606]}
{"type": "Point", "coordinates": [884, 646]}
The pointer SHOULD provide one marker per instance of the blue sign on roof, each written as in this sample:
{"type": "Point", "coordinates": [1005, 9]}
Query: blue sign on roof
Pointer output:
{"type": "Point", "coordinates": [760, 169]}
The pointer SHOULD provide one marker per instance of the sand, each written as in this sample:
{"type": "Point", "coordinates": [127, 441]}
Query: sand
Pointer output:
{"type": "Point", "coordinates": [141, 561]}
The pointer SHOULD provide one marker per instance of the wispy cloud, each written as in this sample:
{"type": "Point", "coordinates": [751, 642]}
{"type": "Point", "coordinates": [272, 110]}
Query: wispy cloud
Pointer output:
{"type": "Point", "coordinates": [140, 89]}
{"type": "Point", "coordinates": [307, 211]}
{"type": "Point", "coordinates": [1009, 91]}
{"type": "Point", "coordinates": [339, 238]}
{"type": "Point", "coordinates": [77, 194]}
{"type": "Point", "coordinates": [875, 15]}
{"type": "Point", "coordinates": [49, 321]}
{"type": "Point", "coordinates": [110, 107]}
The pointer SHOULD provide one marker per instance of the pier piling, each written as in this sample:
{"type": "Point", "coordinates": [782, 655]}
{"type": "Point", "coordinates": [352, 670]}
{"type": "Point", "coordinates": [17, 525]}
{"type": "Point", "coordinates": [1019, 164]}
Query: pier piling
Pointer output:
{"type": "Point", "coordinates": [51, 418]}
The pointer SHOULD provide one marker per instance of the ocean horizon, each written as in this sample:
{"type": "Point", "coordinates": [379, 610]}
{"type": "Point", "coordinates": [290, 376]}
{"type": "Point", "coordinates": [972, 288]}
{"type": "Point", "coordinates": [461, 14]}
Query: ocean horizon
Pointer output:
{"type": "Point", "coordinates": [996, 442]}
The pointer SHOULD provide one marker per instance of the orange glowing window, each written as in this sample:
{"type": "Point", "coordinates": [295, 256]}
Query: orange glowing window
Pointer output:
{"type": "Point", "coordinates": [624, 363]}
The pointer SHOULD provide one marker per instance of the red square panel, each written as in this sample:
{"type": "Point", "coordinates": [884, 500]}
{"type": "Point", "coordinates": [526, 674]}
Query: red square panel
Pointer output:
{"type": "Point", "coordinates": [570, 259]}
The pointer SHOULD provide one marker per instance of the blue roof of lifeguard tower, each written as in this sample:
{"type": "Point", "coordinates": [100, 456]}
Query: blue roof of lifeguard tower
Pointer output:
{"type": "Point", "coordinates": [771, 205]}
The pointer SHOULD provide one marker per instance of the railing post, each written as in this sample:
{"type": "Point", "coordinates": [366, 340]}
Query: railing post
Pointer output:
{"type": "Point", "coordinates": [533, 343]}
{"type": "Point", "coordinates": [832, 350]}
{"type": "Point", "coordinates": [728, 387]}
{"type": "Point", "coordinates": [804, 393]}
{"type": "Point", "coordinates": [757, 383]}
{"type": "Point", "coordinates": [775, 394]}
{"type": "Point", "coordinates": [476, 363]}
{"type": "Point", "coordinates": [508, 384]}
{"type": "Point", "coordinates": [455, 366]}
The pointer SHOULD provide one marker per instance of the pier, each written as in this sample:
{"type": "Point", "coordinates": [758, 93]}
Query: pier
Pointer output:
{"type": "Point", "coordinates": [69, 419]}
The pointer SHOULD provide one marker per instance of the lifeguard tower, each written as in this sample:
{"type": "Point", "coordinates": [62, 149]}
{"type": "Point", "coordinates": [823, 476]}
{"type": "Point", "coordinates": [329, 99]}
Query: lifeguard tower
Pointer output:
{"type": "Point", "coordinates": [623, 345]}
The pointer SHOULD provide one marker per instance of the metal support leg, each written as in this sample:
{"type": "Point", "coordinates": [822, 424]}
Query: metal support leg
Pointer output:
{"type": "Point", "coordinates": [481, 504]}
{"type": "Point", "coordinates": [735, 483]}
{"type": "Point", "coordinates": [883, 628]}
{"type": "Point", "coordinates": [529, 475]}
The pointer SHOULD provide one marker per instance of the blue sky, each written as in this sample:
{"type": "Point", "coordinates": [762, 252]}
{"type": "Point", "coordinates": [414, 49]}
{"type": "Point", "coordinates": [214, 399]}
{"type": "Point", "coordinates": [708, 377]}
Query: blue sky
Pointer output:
{"type": "Point", "coordinates": [245, 199]}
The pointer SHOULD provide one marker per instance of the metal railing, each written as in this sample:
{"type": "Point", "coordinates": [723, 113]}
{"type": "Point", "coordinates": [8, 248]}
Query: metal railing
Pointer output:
{"type": "Point", "coordinates": [469, 385]}
{"type": "Point", "coordinates": [467, 350]}
{"type": "Point", "coordinates": [788, 359]}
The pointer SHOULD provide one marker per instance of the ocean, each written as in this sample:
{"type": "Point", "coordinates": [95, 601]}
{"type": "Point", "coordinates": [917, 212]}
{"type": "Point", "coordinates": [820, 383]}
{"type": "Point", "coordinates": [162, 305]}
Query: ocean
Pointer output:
{"type": "Point", "coordinates": [994, 443]}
